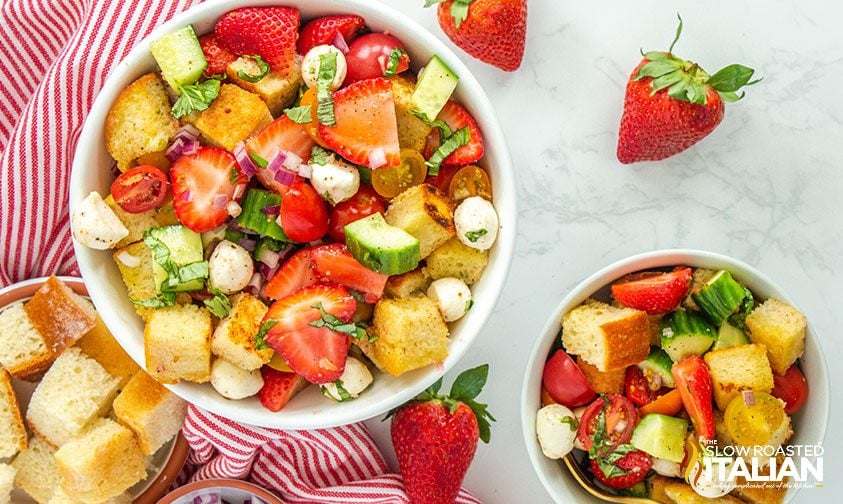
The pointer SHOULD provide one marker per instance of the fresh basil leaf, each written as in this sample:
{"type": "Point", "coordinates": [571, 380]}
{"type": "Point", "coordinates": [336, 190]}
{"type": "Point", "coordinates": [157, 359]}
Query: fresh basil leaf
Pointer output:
{"type": "Point", "coordinates": [444, 129]}
{"type": "Point", "coordinates": [196, 97]}
{"type": "Point", "coordinates": [344, 394]}
{"type": "Point", "coordinates": [219, 305]}
{"type": "Point", "coordinates": [299, 115]}
{"type": "Point", "coordinates": [193, 271]}
{"type": "Point", "coordinates": [233, 176]}
{"type": "Point", "coordinates": [394, 59]}
{"type": "Point", "coordinates": [356, 295]}
{"type": "Point", "coordinates": [469, 304]}
{"type": "Point", "coordinates": [333, 323]}
{"type": "Point", "coordinates": [473, 236]}
{"type": "Point", "coordinates": [318, 156]}
{"type": "Point", "coordinates": [163, 300]}
{"type": "Point", "coordinates": [260, 338]}
{"type": "Point", "coordinates": [324, 98]}
{"type": "Point", "coordinates": [571, 421]}
{"type": "Point", "coordinates": [161, 255]}
{"type": "Point", "coordinates": [460, 137]}
{"type": "Point", "coordinates": [263, 68]}
{"type": "Point", "coordinates": [258, 160]}
{"type": "Point", "coordinates": [731, 78]}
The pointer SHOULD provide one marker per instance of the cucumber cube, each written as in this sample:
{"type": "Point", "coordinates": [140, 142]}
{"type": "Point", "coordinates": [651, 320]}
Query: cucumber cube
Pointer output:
{"type": "Point", "coordinates": [180, 57]}
{"type": "Point", "coordinates": [435, 85]}
{"type": "Point", "coordinates": [661, 436]}
{"type": "Point", "coordinates": [184, 247]}
{"type": "Point", "coordinates": [380, 247]}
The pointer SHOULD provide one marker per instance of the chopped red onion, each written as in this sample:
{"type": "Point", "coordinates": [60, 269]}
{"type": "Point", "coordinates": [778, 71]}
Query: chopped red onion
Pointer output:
{"type": "Point", "coordinates": [305, 170]}
{"type": "Point", "coordinates": [174, 150]}
{"type": "Point", "coordinates": [244, 160]}
{"type": "Point", "coordinates": [292, 160]}
{"type": "Point", "coordinates": [235, 226]}
{"type": "Point", "coordinates": [187, 132]}
{"type": "Point", "coordinates": [271, 210]}
{"type": "Point", "coordinates": [267, 271]}
{"type": "Point", "coordinates": [207, 498]}
{"type": "Point", "coordinates": [285, 177]}
{"type": "Point", "coordinates": [377, 158]}
{"type": "Point", "coordinates": [749, 397]}
{"type": "Point", "coordinates": [185, 196]}
{"type": "Point", "coordinates": [340, 43]}
{"type": "Point", "coordinates": [248, 244]}
{"type": "Point", "coordinates": [115, 171]}
{"type": "Point", "coordinates": [239, 189]}
{"type": "Point", "coordinates": [233, 208]}
{"type": "Point", "coordinates": [220, 200]}
{"type": "Point", "coordinates": [211, 247]}
{"type": "Point", "coordinates": [190, 147]}
{"type": "Point", "coordinates": [256, 281]}
{"type": "Point", "coordinates": [270, 258]}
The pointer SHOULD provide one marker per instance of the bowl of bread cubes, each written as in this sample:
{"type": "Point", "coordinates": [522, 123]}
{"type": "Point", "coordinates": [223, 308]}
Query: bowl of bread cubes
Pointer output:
{"type": "Point", "coordinates": [294, 270]}
{"type": "Point", "coordinates": [665, 358]}
{"type": "Point", "coordinates": [83, 422]}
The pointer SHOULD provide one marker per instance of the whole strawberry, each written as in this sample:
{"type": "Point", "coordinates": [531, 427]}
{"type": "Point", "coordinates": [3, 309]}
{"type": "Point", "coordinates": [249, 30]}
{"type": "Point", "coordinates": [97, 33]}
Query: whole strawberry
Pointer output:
{"type": "Point", "coordinates": [671, 104]}
{"type": "Point", "coordinates": [435, 437]}
{"type": "Point", "coordinates": [494, 31]}
{"type": "Point", "coordinates": [269, 32]}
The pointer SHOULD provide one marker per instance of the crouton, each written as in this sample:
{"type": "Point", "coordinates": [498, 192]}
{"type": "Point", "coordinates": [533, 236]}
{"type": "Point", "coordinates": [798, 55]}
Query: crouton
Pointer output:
{"type": "Point", "coordinates": [605, 336]}
{"type": "Point", "coordinates": [13, 437]}
{"type": "Point", "coordinates": [234, 337]}
{"type": "Point", "coordinates": [23, 351]}
{"type": "Point", "coordinates": [699, 278]}
{"type": "Point", "coordinates": [761, 492]}
{"type": "Point", "coordinates": [102, 463]}
{"type": "Point", "coordinates": [62, 497]}
{"type": "Point", "coordinates": [59, 314]}
{"type": "Point", "coordinates": [37, 474]}
{"type": "Point", "coordinates": [781, 328]}
{"type": "Point", "coordinates": [412, 131]}
{"type": "Point", "coordinates": [408, 284]}
{"type": "Point", "coordinates": [682, 493]}
{"type": "Point", "coordinates": [738, 368]}
{"type": "Point", "coordinates": [177, 343]}
{"type": "Point", "coordinates": [151, 411]}
{"type": "Point", "coordinates": [232, 117]}
{"type": "Point", "coordinates": [277, 92]}
{"type": "Point", "coordinates": [100, 345]}
{"type": "Point", "coordinates": [655, 329]}
{"type": "Point", "coordinates": [140, 121]}
{"type": "Point", "coordinates": [608, 382]}
{"type": "Point", "coordinates": [656, 484]}
{"type": "Point", "coordinates": [426, 213]}
{"type": "Point", "coordinates": [411, 334]}
{"type": "Point", "coordinates": [455, 259]}
{"type": "Point", "coordinates": [7, 482]}
{"type": "Point", "coordinates": [73, 393]}
{"type": "Point", "coordinates": [135, 264]}
{"type": "Point", "coordinates": [136, 223]}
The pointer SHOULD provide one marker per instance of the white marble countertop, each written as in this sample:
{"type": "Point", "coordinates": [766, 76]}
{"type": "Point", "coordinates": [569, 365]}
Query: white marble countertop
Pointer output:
{"type": "Point", "coordinates": [766, 187]}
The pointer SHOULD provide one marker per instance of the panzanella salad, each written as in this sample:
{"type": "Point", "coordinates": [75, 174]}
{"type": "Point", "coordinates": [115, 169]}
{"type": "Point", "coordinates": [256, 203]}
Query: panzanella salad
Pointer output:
{"type": "Point", "coordinates": [673, 366]}
{"type": "Point", "coordinates": [292, 205]}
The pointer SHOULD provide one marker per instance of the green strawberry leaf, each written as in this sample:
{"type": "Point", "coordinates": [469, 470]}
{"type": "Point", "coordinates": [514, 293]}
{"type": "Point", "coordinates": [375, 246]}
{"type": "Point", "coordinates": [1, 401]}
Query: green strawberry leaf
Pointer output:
{"type": "Point", "coordinates": [469, 383]}
{"type": "Point", "coordinates": [731, 78]}
{"type": "Point", "coordinates": [678, 33]}
{"type": "Point", "coordinates": [483, 419]}
{"type": "Point", "coordinates": [459, 11]}
{"type": "Point", "coordinates": [657, 69]}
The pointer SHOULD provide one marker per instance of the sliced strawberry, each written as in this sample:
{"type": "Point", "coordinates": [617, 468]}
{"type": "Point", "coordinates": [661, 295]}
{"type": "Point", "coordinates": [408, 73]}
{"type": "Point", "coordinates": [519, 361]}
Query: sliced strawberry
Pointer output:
{"type": "Point", "coordinates": [270, 32]}
{"type": "Point", "coordinates": [652, 291]}
{"type": "Point", "coordinates": [455, 116]}
{"type": "Point", "coordinates": [281, 134]}
{"type": "Point", "coordinates": [218, 57]}
{"type": "Point", "coordinates": [316, 353]}
{"type": "Point", "coordinates": [293, 275]}
{"type": "Point", "coordinates": [203, 184]}
{"type": "Point", "coordinates": [278, 388]}
{"type": "Point", "coordinates": [334, 263]}
{"type": "Point", "coordinates": [323, 30]}
{"type": "Point", "coordinates": [694, 384]}
{"type": "Point", "coordinates": [366, 132]}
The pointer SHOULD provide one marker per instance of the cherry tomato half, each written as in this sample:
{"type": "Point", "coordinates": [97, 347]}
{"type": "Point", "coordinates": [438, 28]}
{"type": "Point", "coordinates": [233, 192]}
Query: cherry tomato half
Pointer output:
{"type": "Point", "coordinates": [392, 181]}
{"type": "Point", "coordinates": [565, 381]}
{"type": "Point", "coordinates": [792, 388]}
{"type": "Point", "coordinates": [368, 57]}
{"type": "Point", "coordinates": [363, 204]}
{"type": "Point", "coordinates": [442, 180]}
{"type": "Point", "coordinates": [304, 216]}
{"type": "Point", "coordinates": [618, 415]}
{"type": "Point", "coordinates": [140, 189]}
{"type": "Point", "coordinates": [470, 181]}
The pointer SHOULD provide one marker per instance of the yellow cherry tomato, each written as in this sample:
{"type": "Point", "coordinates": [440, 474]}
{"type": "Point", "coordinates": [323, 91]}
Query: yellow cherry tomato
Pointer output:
{"type": "Point", "coordinates": [279, 364]}
{"type": "Point", "coordinates": [392, 181]}
{"type": "Point", "coordinates": [753, 425]}
{"type": "Point", "coordinates": [470, 181]}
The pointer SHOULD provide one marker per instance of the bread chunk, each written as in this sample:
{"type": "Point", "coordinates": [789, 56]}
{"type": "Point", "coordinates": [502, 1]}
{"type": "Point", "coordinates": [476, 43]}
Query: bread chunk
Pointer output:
{"type": "Point", "coordinates": [455, 259]}
{"type": "Point", "coordinates": [781, 328]}
{"type": "Point", "coordinates": [177, 341]}
{"type": "Point", "coordinates": [682, 493]}
{"type": "Point", "coordinates": [12, 437]}
{"type": "Point", "coordinates": [23, 350]}
{"type": "Point", "coordinates": [411, 283]}
{"type": "Point", "coordinates": [426, 213]}
{"type": "Point", "coordinates": [37, 474]}
{"type": "Point", "coordinates": [738, 368]}
{"type": "Point", "coordinates": [277, 92]}
{"type": "Point", "coordinates": [412, 131]}
{"type": "Point", "coordinates": [100, 345]}
{"type": "Point", "coordinates": [411, 334]}
{"type": "Point", "coordinates": [59, 314]}
{"type": "Point", "coordinates": [151, 411]}
{"type": "Point", "coordinates": [136, 223]}
{"type": "Point", "coordinates": [608, 382]}
{"type": "Point", "coordinates": [232, 117]}
{"type": "Point", "coordinates": [234, 337]}
{"type": "Point", "coordinates": [7, 482]}
{"type": "Point", "coordinates": [605, 336]}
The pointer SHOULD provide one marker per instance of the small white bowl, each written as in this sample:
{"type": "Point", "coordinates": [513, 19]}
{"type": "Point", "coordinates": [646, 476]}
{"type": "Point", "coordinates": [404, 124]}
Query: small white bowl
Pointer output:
{"type": "Point", "coordinates": [310, 409]}
{"type": "Point", "coordinates": [809, 424]}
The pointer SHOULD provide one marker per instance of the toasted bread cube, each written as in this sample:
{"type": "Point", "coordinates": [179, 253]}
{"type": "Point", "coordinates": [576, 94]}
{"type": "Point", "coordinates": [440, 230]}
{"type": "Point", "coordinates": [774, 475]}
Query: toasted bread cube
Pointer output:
{"type": "Point", "coordinates": [408, 284]}
{"type": "Point", "coordinates": [135, 264]}
{"type": "Point", "coordinates": [680, 492]}
{"type": "Point", "coordinates": [412, 131]}
{"type": "Point", "coordinates": [277, 92]}
{"type": "Point", "coordinates": [100, 345]}
{"type": "Point", "coordinates": [411, 334]}
{"type": "Point", "coordinates": [426, 213]}
{"type": "Point", "coordinates": [608, 382]}
{"type": "Point", "coordinates": [37, 474]}
{"type": "Point", "coordinates": [177, 342]}
{"type": "Point", "coordinates": [136, 223]}
{"type": "Point", "coordinates": [232, 117]}
{"type": "Point", "coordinates": [762, 492]}
{"type": "Point", "coordinates": [454, 259]}
{"type": "Point", "coordinates": [605, 336]}
{"type": "Point", "coordinates": [23, 350]}
{"type": "Point", "coordinates": [655, 329]}
{"type": "Point", "coordinates": [781, 328]}
{"type": "Point", "coordinates": [73, 393]}
{"type": "Point", "coordinates": [151, 411]}
{"type": "Point", "coordinates": [234, 337]}
{"type": "Point", "coordinates": [13, 437]}
{"type": "Point", "coordinates": [738, 368]}
{"type": "Point", "coordinates": [59, 314]}
{"type": "Point", "coordinates": [7, 482]}
{"type": "Point", "coordinates": [102, 463]}
{"type": "Point", "coordinates": [62, 497]}
{"type": "Point", "coordinates": [140, 121]}
{"type": "Point", "coordinates": [656, 484]}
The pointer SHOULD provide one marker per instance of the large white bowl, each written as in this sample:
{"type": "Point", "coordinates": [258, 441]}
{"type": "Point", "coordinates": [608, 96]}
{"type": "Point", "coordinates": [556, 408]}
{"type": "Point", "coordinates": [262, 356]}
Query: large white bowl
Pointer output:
{"type": "Point", "coordinates": [310, 409]}
{"type": "Point", "coordinates": [809, 424]}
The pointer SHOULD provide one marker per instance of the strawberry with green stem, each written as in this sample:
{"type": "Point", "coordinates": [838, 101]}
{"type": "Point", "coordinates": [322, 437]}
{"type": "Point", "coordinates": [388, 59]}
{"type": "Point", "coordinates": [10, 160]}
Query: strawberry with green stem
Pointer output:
{"type": "Point", "coordinates": [671, 104]}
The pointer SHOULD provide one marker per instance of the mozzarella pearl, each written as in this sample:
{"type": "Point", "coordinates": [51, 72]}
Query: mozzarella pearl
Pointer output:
{"type": "Point", "coordinates": [230, 267]}
{"type": "Point", "coordinates": [233, 382]}
{"type": "Point", "coordinates": [335, 180]}
{"type": "Point", "coordinates": [453, 297]}
{"type": "Point", "coordinates": [476, 222]}
{"type": "Point", "coordinates": [310, 66]}
{"type": "Point", "coordinates": [556, 434]}
{"type": "Point", "coordinates": [95, 224]}
{"type": "Point", "coordinates": [354, 379]}
{"type": "Point", "coordinates": [666, 467]}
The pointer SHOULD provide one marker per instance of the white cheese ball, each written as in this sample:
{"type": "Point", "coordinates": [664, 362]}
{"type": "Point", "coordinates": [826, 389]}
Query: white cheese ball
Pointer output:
{"type": "Point", "coordinates": [233, 382]}
{"type": "Point", "coordinates": [95, 224]}
{"type": "Point", "coordinates": [476, 222]}
{"type": "Point", "coordinates": [556, 430]}
{"type": "Point", "coordinates": [453, 297]}
{"type": "Point", "coordinates": [335, 181]}
{"type": "Point", "coordinates": [310, 66]}
{"type": "Point", "coordinates": [354, 379]}
{"type": "Point", "coordinates": [667, 468]}
{"type": "Point", "coordinates": [230, 267]}
{"type": "Point", "coordinates": [714, 487]}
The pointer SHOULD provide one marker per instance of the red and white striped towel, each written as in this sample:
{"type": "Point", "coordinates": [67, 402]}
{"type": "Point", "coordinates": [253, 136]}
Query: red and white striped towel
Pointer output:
{"type": "Point", "coordinates": [54, 58]}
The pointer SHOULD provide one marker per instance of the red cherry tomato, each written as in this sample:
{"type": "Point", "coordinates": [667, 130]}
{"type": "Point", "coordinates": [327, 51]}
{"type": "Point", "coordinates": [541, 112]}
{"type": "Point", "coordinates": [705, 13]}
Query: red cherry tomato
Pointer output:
{"type": "Point", "coordinates": [619, 416]}
{"type": "Point", "coordinates": [368, 57]}
{"type": "Point", "coordinates": [140, 189]}
{"type": "Point", "coordinates": [792, 388]}
{"type": "Point", "coordinates": [442, 181]}
{"type": "Point", "coordinates": [635, 464]}
{"type": "Point", "coordinates": [363, 204]}
{"type": "Point", "coordinates": [565, 381]}
{"type": "Point", "coordinates": [637, 387]}
{"type": "Point", "coordinates": [304, 216]}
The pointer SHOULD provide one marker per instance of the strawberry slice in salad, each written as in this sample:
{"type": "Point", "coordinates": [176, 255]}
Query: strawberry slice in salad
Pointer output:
{"type": "Point", "coordinates": [694, 384]}
{"type": "Point", "coordinates": [334, 263]}
{"type": "Point", "coordinates": [457, 117]}
{"type": "Point", "coordinates": [324, 30]}
{"type": "Point", "coordinates": [281, 137]}
{"type": "Point", "coordinates": [293, 275]}
{"type": "Point", "coordinates": [269, 32]}
{"type": "Point", "coordinates": [653, 292]}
